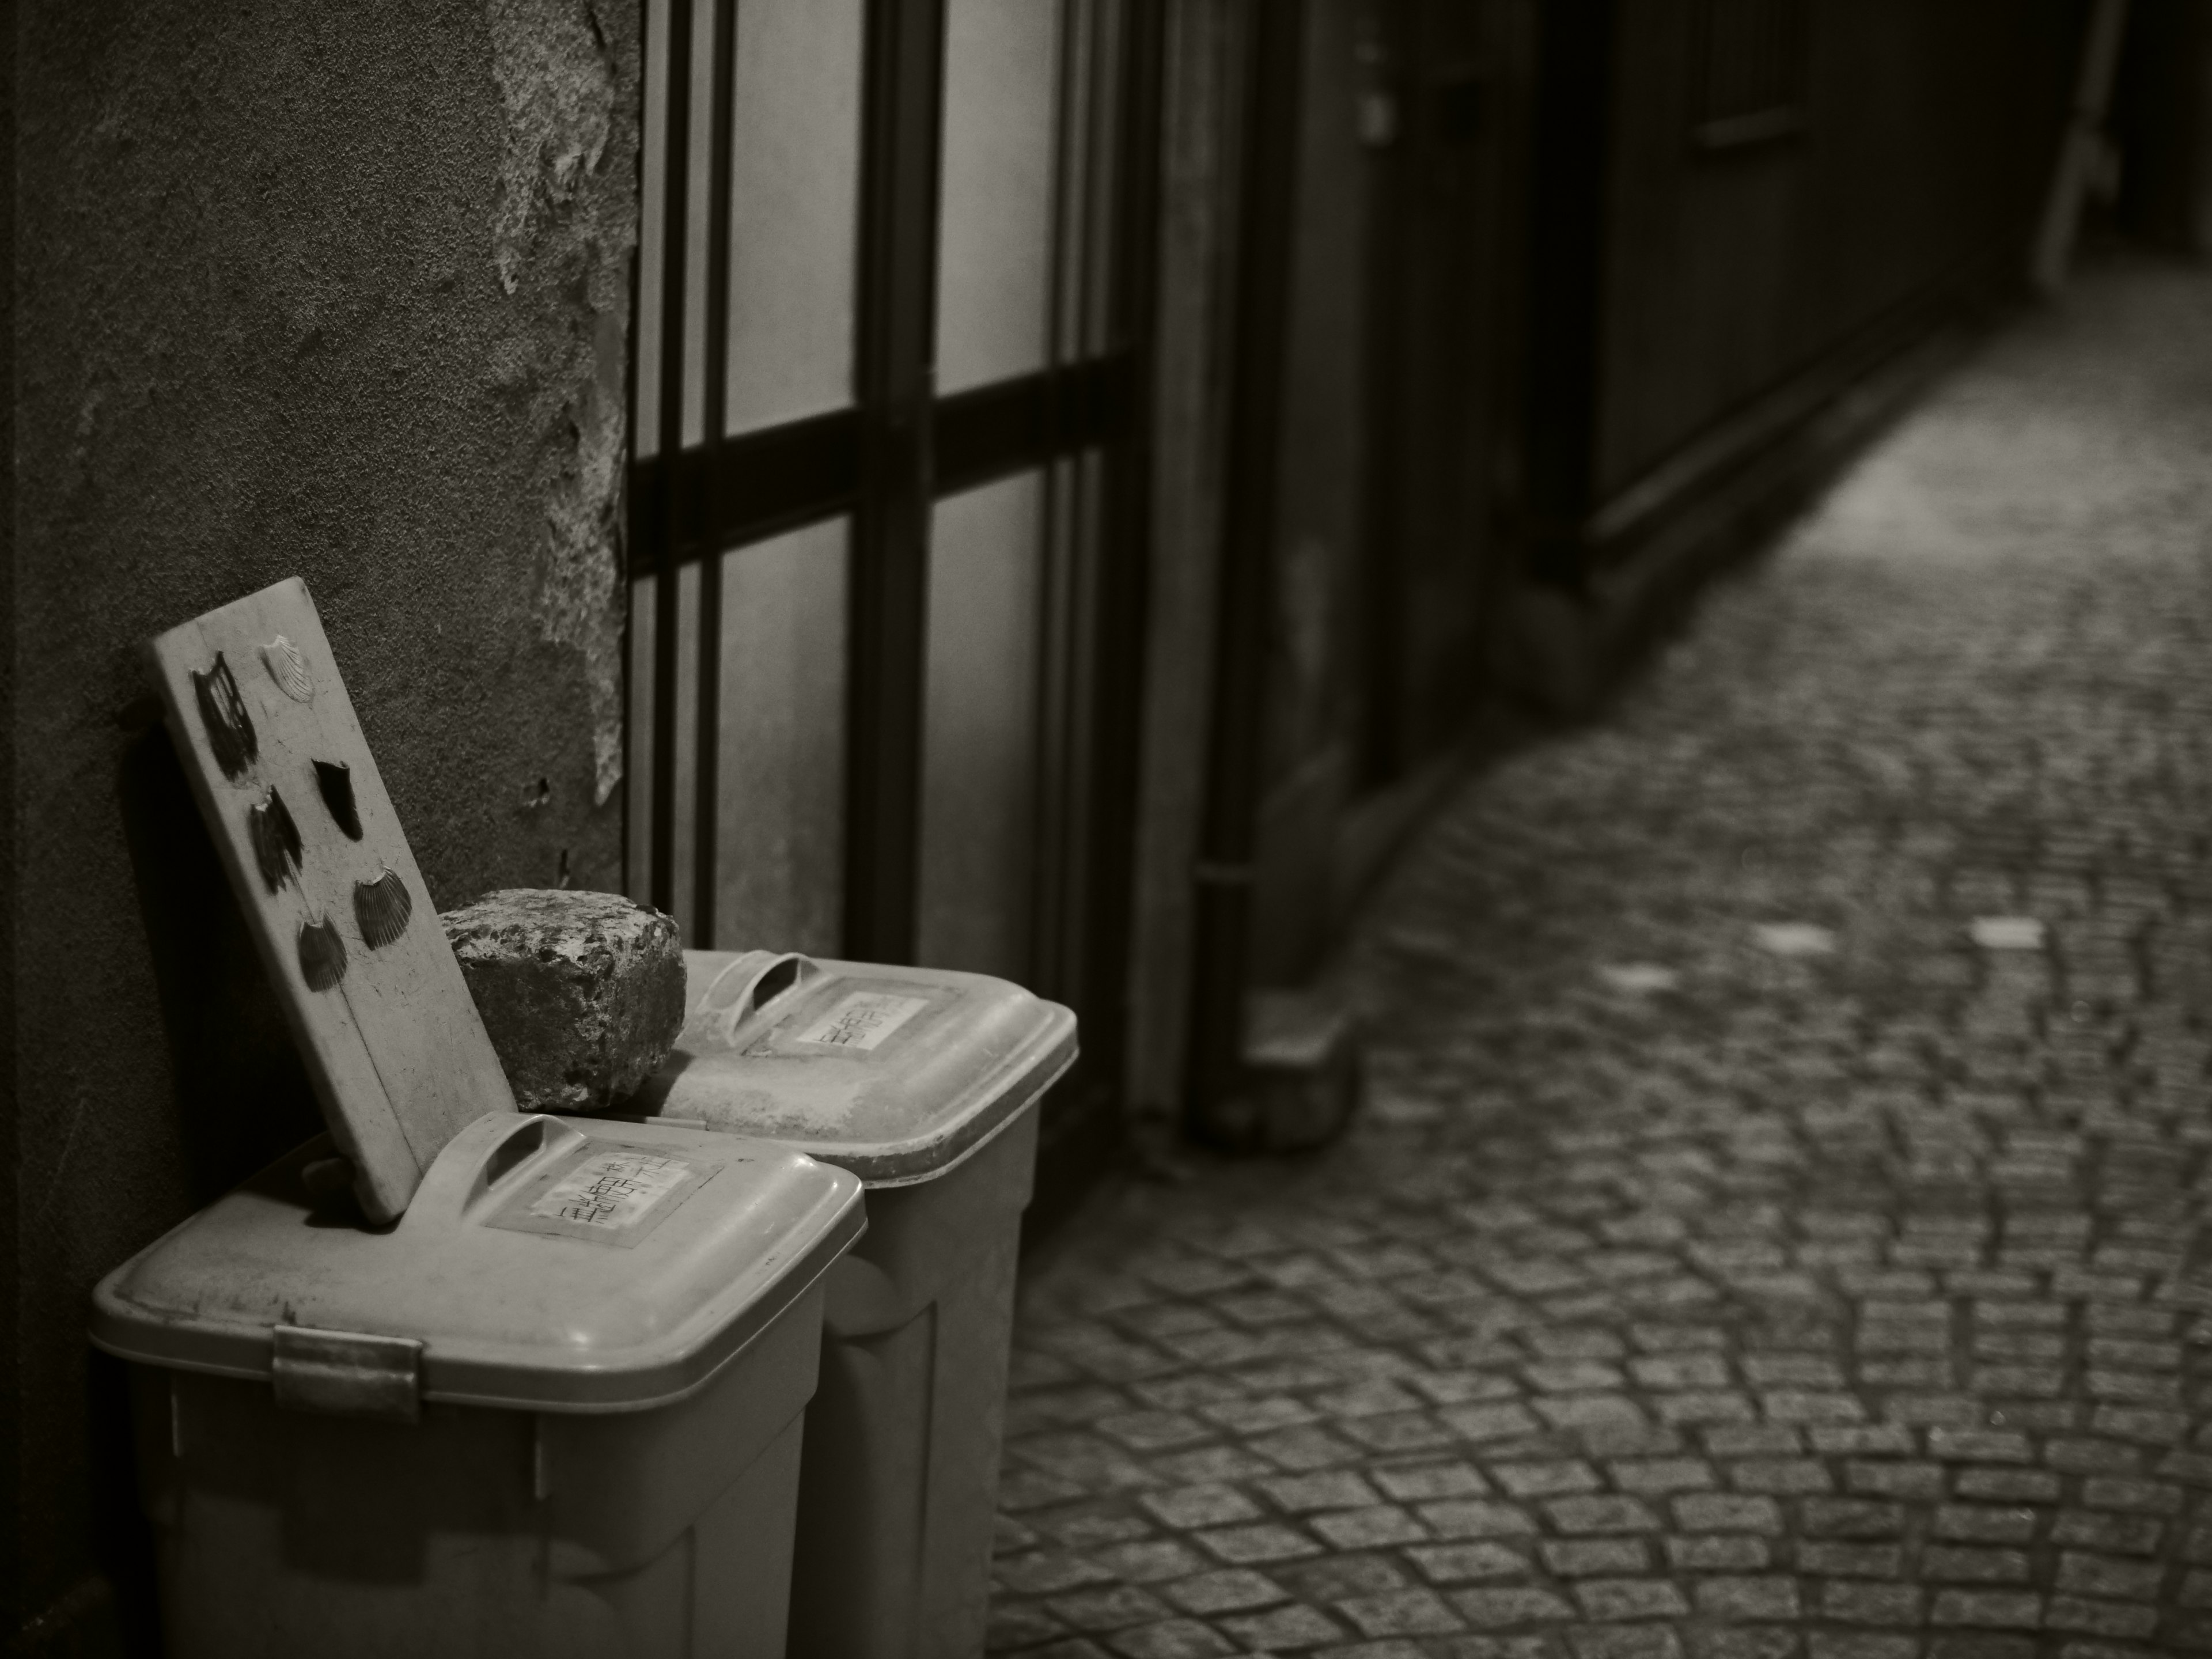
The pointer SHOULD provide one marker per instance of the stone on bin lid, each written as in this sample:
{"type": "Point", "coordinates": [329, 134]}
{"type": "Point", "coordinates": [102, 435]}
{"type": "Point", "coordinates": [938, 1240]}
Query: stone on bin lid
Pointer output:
{"type": "Point", "coordinates": [895, 1073]}
{"type": "Point", "coordinates": [582, 994]}
{"type": "Point", "coordinates": [546, 1263]}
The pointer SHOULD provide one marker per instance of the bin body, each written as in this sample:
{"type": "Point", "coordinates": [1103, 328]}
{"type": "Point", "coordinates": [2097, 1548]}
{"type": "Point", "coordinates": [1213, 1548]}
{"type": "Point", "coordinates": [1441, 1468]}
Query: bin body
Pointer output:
{"type": "Point", "coordinates": [899, 1476]}
{"type": "Point", "coordinates": [280, 1532]}
{"type": "Point", "coordinates": [492, 1523]}
{"type": "Point", "coordinates": [901, 1461]}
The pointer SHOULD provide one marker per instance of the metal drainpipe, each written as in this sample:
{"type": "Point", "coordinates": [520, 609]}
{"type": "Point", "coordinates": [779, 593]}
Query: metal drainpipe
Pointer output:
{"type": "Point", "coordinates": [1245, 601]}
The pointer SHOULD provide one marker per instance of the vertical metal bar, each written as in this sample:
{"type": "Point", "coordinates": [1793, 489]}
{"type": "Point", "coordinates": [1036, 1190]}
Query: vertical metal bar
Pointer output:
{"type": "Point", "coordinates": [1082, 1121]}
{"type": "Point", "coordinates": [631, 518]}
{"type": "Point", "coordinates": [901, 134]}
{"type": "Point", "coordinates": [1102, 81]}
{"type": "Point", "coordinates": [14, 1573]}
{"type": "Point", "coordinates": [1093, 77]}
{"type": "Point", "coordinates": [1079, 616]}
{"type": "Point", "coordinates": [1393, 460]}
{"type": "Point", "coordinates": [1049, 876]}
{"type": "Point", "coordinates": [714, 365]}
{"type": "Point", "coordinates": [1225, 876]}
{"type": "Point", "coordinates": [1123, 541]}
{"type": "Point", "coordinates": [675, 523]}
{"type": "Point", "coordinates": [1120, 77]}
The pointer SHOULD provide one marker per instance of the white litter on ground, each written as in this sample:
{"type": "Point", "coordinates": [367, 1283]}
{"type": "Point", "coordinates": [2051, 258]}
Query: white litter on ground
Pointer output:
{"type": "Point", "coordinates": [2006, 933]}
{"type": "Point", "coordinates": [1638, 978]}
{"type": "Point", "coordinates": [1396, 1106]}
{"type": "Point", "coordinates": [1795, 938]}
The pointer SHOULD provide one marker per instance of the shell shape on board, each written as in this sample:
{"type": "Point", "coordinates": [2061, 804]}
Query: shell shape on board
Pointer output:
{"type": "Point", "coordinates": [335, 779]}
{"type": "Point", "coordinates": [289, 669]}
{"type": "Point", "coordinates": [322, 955]}
{"type": "Point", "coordinates": [229, 728]}
{"type": "Point", "coordinates": [382, 907]}
{"type": "Point", "coordinates": [276, 840]}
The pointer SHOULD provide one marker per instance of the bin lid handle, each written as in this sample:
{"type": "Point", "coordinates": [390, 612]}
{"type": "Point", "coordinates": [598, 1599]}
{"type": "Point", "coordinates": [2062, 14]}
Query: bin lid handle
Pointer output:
{"type": "Point", "coordinates": [519, 1146]}
{"type": "Point", "coordinates": [743, 989]}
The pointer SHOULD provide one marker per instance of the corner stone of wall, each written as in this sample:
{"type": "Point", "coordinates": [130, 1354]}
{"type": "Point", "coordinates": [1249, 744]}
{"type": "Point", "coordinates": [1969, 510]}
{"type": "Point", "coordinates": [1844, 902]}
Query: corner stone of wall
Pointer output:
{"type": "Point", "coordinates": [567, 72]}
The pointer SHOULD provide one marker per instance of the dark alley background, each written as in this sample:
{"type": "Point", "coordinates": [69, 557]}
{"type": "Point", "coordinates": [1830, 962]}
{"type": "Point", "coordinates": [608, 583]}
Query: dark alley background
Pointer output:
{"type": "Point", "coordinates": [1506, 596]}
{"type": "Point", "coordinates": [1776, 1226]}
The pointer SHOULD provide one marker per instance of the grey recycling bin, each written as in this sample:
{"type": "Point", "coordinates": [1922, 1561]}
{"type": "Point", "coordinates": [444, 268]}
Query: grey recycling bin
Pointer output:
{"type": "Point", "coordinates": [556, 1410]}
{"type": "Point", "coordinates": [923, 1082]}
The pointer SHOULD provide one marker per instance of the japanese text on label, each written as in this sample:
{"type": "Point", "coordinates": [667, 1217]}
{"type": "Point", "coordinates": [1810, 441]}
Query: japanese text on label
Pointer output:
{"type": "Point", "coordinates": [612, 1190]}
{"type": "Point", "coordinates": [863, 1019]}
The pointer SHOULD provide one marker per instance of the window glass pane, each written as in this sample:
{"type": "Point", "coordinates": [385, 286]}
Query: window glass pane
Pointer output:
{"type": "Point", "coordinates": [980, 730]}
{"type": "Point", "coordinates": [781, 820]}
{"type": "Point", "coordinates": [1001, 102]}
{"type": "Point", "coordinates": [794, 209]}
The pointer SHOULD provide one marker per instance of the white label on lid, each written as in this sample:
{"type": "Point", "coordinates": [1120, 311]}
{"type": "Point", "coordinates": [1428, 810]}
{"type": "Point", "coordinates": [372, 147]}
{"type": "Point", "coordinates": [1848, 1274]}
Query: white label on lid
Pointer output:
{"type": "Point", "coordinates": [862, 1019]}
{"type": "Point", "coordinates": [613, 1190]}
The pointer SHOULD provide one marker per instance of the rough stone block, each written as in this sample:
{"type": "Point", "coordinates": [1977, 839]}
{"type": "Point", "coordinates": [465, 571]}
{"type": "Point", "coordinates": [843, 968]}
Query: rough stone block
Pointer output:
{"type": "Point", "coordinates": [582, 993]}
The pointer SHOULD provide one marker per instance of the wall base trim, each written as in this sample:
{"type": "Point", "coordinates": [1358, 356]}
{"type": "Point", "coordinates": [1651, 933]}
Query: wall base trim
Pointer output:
{"type": "Point", "coordinates": [1643, 555]}
{"type": "Point", "coordinates": [84, 1622]}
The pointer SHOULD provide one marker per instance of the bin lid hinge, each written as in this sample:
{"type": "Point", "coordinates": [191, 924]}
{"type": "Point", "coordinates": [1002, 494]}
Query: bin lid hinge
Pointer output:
{"type": "Point", "coordinates": [347, 1373]}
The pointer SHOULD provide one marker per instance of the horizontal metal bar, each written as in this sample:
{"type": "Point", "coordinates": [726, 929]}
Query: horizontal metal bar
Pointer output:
{"type": "Point", "coordinates": [759, 485]}
{"type": "Point", "coordinates": [1014, 425]}
{"type": "Point", "coordinates": [753, 485]}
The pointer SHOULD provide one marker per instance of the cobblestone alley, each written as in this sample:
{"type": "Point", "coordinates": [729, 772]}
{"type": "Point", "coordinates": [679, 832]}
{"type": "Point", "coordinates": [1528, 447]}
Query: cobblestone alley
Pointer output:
{"type": "Point", "coordinates": [1764, 1238]}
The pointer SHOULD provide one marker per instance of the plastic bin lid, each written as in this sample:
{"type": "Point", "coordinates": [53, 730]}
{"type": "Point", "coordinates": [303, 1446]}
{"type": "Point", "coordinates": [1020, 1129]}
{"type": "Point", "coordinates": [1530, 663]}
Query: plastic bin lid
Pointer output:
{"type": "Point", "coordinates": [546, 1263]}
{"type": "Point", "coordinates": [895, 1073]}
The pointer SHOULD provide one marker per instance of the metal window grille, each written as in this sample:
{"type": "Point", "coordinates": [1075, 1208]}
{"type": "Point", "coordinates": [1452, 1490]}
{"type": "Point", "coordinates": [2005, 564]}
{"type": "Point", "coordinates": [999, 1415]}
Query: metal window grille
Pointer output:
{"type": "Point", "coordinates": [881, 463]}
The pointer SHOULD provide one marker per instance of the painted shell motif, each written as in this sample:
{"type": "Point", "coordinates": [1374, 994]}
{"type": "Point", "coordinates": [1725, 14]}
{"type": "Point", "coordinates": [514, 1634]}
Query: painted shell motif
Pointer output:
{"type": "Point", "coordinates": [382, 907]}
{"type": "Point", "coordinates": [276, 840]}
{"type": "Point", "coordinates": [322, 955]}
{"type": "Point", "coordinates": [289, 669]}
{"type": "Point", "coordinates": [222, 714]}
{"type": "Point", "coordinates": [335, 779]}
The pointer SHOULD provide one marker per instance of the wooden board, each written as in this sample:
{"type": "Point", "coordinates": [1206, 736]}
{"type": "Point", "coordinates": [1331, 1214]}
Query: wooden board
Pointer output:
{"type": "Point", "coordinates": [345, 927]}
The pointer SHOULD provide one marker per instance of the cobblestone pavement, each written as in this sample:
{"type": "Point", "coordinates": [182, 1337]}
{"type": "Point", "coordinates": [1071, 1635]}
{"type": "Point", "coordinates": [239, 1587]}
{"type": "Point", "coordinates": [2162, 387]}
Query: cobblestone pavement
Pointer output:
{"type": "Point", "coordinates": [1690, 1289]}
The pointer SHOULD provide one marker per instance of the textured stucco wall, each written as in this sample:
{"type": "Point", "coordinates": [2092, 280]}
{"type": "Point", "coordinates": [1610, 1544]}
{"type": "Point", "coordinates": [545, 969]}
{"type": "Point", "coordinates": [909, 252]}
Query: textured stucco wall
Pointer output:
{"type": "Point", "coordinates": [333, 290]}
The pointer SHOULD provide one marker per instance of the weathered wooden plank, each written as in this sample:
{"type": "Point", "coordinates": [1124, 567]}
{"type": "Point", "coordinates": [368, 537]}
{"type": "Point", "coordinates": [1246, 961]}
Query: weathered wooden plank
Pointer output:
{"type": "Point", "coordinates": [338, 908]}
